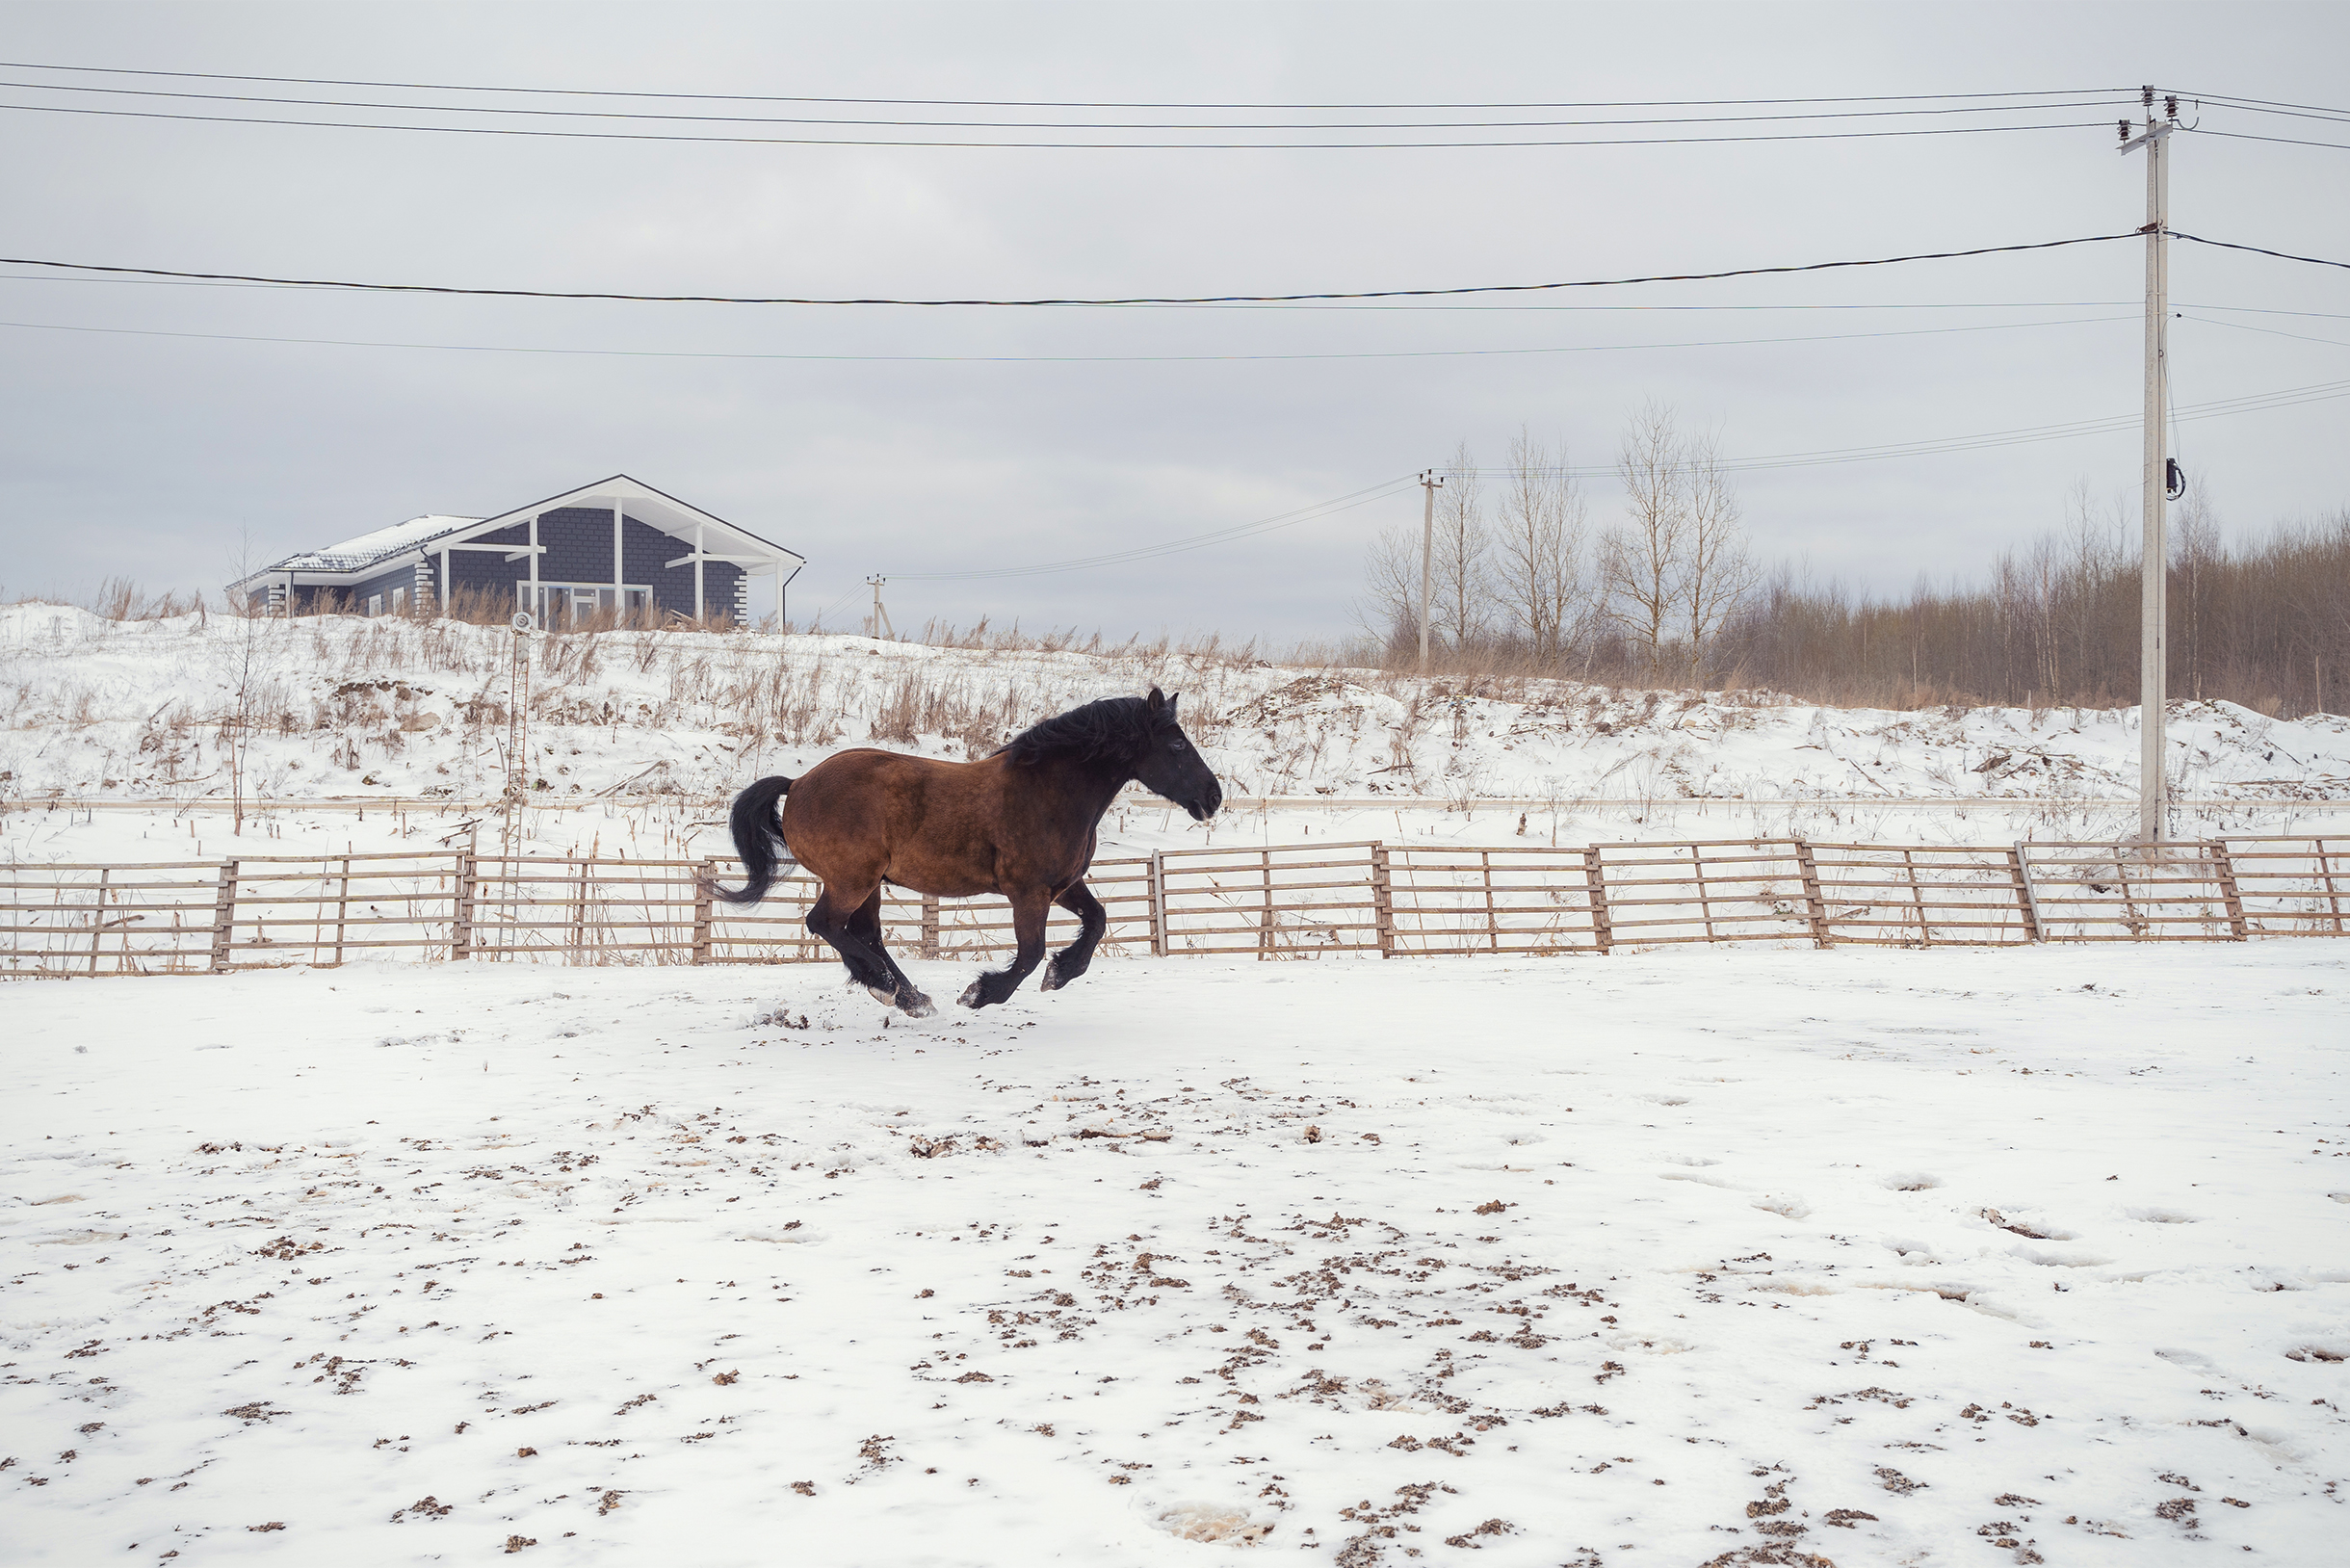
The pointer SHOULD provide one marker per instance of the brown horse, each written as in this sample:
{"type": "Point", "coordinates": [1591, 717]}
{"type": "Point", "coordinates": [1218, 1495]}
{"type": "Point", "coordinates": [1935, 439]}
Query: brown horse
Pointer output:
{"type": "Point", "coordinates": [1020, 824]}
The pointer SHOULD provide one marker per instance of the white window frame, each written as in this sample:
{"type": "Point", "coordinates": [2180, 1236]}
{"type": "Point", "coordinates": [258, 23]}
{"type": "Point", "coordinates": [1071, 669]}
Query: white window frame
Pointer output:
{"type": "Point", "coordinates": [536, 596]}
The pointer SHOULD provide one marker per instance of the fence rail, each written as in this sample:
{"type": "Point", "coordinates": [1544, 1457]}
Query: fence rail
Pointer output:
{"type": "Point", "coordinates": [1293, 901]}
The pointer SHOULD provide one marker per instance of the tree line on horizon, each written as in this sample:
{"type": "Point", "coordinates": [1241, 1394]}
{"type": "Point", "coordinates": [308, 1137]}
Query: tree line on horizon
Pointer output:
{"type": "Point", "coordinates": [1670, 593]}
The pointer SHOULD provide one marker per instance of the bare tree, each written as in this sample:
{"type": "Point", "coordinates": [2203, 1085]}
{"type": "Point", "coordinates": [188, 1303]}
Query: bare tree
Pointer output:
{"type": "Point", "coordinates": [1389, 606]}
{"type": "Point", "coordinates": [1538, 567]}
{"type": "Point", "coordinates": [1646, 556]}
{"type": "Point", "coordinates": [1718, 574]}
{"type": "Point", "coordinates": [1463, 610]}
{"type": "Point", "coordinates": [246, 660]}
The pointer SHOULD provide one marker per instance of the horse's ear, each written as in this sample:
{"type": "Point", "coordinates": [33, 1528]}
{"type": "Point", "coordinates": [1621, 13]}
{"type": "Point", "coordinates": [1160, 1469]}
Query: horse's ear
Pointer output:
{"type": "Point", "coordinates": [1158, 702]}
{"type": "Point", "coordinates": [1171, 701]}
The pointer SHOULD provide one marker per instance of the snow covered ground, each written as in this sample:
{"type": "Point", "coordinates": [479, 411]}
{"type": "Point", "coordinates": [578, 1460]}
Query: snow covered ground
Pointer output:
{"type": "Point", "coordinates": [1702, 1257]}
{"type": "Point", "coordinates": [641, 734]}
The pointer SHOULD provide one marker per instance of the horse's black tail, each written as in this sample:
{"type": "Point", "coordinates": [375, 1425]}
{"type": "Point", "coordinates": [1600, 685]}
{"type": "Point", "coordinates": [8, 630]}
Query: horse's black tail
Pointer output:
{"type": "Point", "coordinates": [758, 833]}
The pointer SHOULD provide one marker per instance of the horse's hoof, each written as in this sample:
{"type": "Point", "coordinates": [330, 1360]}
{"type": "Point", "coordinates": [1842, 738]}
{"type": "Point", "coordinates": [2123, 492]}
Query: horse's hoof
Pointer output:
{"type": "Point", "coordinates": [917, 1005]}
{"type": "Point", "coordinates": [1051, 980]}
{"type": "Point", "coordinates": [973, 995]}
{"type": "Point", "coordinates": [883, 995]}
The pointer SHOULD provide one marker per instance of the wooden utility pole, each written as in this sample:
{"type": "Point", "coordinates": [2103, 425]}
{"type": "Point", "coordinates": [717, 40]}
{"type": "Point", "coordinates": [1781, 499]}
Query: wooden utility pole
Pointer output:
{"type": "Point", "coordinates": [517, 737]}
{"type": "Point", "coordinates": [1430, 480]}
{"type": "Point", "coordinates": [2153, 777]}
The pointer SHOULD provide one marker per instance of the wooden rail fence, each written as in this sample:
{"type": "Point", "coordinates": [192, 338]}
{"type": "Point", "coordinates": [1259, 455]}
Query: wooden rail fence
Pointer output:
{"type": "Point", "coordinates": [1293, 901]}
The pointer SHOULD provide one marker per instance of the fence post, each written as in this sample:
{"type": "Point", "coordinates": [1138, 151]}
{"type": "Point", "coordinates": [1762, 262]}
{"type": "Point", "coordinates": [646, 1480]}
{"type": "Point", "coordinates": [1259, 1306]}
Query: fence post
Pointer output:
{"type": "Point", "coordinates": [342, 907]}
{"type": "Point", "coordinates": [2028, 901]}
{"type": "Point", "coordinates": [1264, 921]}
{"type": "Point", "coordinates": [1596, 885]}
{"type": "Point", "coordinates": [1816, 905]}
{"type": "Point", "coordinates": [1383, 899]}
{"type": "Point", "coordinates": [929, 924]}
{"type": "Point", "coordinates": [1159, 903]}
{"type": "Point", "coordinates": [1925, 927]}
{"type": "Point", "coordinates": [579, 919]}
{"type": "Point", "coordinates": [1492, 924]}
{"type": "Point", "coordinates": [97, 920]}
{"type": "Point", "coordinates": [461, 919]}
{"type": "Point", "coordinates": [705, 876]}
{"type": "Point", "coordinates": [2226, 870]}
{"type": "Point", "coordinates": [223, 915]}
{"type": "Point", "coordinates": [2325, 869]}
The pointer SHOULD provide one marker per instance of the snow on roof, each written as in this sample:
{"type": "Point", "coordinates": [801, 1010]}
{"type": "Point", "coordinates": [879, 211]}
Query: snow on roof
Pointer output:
{"type": "Point", "coordinates": [368, 548]}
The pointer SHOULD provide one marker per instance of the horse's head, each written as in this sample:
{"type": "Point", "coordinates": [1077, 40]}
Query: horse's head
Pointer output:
{"type": "Point", "coordinates": [1170, 764]}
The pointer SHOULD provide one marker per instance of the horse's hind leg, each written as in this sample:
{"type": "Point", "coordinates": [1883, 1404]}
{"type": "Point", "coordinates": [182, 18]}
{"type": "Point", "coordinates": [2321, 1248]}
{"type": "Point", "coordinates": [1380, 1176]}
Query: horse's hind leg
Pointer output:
{"type": "Point", "coordinates": [866, 926]}
{"type": "Point", "coordinates": [856, 937]}
{"type": "Point", "coordinates": [1072, 960]}
{"type": "Point", "coordinates": [1029, 910]}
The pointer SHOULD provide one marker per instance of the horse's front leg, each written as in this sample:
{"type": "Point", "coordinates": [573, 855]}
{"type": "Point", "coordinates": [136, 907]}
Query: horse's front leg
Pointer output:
{"type": "Point", "coordinates": [1029, 909]}
{"type": "Point", "coordinates": [1093, 919]}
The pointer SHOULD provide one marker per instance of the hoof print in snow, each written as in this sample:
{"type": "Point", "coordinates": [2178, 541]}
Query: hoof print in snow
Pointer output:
{"type": "Point", "coordinates": [1848, 1518]}
{"type": "Point", "coordinates": [1206, 1522]}
{"type": "Point", "coordinates": [1895, 1483]}
{"type": "Point", "coordinates": [806, 1489]}
{"type": "Point", "coordinates": [515, 1543]}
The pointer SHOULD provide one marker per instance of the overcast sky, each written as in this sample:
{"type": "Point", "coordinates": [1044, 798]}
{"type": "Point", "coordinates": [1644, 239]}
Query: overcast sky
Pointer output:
{"type": "Point", "coordinates": [164, 457]}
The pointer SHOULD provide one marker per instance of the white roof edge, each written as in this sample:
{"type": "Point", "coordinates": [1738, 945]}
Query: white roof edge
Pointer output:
{"type": "Point", "coordinates": [619, 485]}
{"type": "Point", "coordinates": [622, 485]}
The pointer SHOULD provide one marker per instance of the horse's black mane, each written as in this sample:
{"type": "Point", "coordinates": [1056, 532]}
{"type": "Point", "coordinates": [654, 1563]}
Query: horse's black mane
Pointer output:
{"type": "Point", "coordinates": [1114, 728]}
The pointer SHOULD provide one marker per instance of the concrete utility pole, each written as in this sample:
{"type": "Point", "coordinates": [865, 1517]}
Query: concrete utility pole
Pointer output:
{"type": "Point", "coordinates": [1430, 480]}
{"type": "Point", "coordinates": [2153, 582]}
{"type": "Point", "coordinates": [880, 616]}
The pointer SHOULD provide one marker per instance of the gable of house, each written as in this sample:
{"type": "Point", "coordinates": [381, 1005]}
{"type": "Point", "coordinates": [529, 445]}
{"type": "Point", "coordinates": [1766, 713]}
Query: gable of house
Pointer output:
{"type": "Point", "coordinates": [617, 544]}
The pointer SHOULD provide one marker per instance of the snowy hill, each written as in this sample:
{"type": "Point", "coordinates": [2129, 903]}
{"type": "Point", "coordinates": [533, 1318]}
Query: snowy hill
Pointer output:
{"type": "Point", "coordinates": [341, 708]}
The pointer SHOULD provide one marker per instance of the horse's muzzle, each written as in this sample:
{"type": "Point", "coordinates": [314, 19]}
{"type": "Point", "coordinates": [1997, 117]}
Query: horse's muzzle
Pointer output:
{"type": "Point", "coordinates": [1202, 807]}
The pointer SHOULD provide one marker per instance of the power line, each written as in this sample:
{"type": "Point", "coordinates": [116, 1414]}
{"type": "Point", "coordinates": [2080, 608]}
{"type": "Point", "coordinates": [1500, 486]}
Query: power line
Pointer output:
{"type": "Point", "coordinates": [2231, 101]}
{"type": "Point", "coordinates": [2247, 136]}
{"type": "Point", "coordinates": [2023, 436]}
{"type": "Point", "coordinates": [2258, 250]}
{"type": "Point", "coordinates": [1489, 309]}
{"type": "Point", "coordinates": [1197, 541]}
{"type": "Point", "coordinates": [1044, 359]}
{"type": "Point", "coordinates": [1138, 300]}
{"type": "Point", "coordinates": [1033, 146]}
{"type": "Point", "coordinates": [2030, 434]}
{"type": "Point", "coordinates": [1031, 103]}
{"type": "Point", "coordinates": [2247, 327]}
{"type": "Point", "coordinates": [1342, 307]}
{"type": "Point", "coordinates": [1067, 125]}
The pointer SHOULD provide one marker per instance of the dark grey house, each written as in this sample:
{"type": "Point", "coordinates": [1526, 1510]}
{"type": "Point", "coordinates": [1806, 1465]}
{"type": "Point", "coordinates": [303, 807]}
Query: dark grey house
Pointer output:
{"type": "Point", "coordinates": [616, 544]}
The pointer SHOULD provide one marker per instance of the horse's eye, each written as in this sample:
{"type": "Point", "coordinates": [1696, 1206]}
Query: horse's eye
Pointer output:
{"type": "Point", "coordinates": [1174, 746]}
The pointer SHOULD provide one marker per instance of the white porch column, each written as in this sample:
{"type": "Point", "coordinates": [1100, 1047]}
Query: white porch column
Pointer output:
{"type": "Point", "coordinates": [619, 563]}
{"type": "Point", "coordinates": [534, 607]}
{"type": "Point", "coordinates": [445, 585]}
{"type": "Point", "coordinates": [698, 611]}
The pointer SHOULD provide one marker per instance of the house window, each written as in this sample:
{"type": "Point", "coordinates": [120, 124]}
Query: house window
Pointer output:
{"type": "Point", "coordinates": [568, 601]}
{"type": "Point", "coordinates": [400, 600]}
{"type": "Point", "coordinates": [374, 604]}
